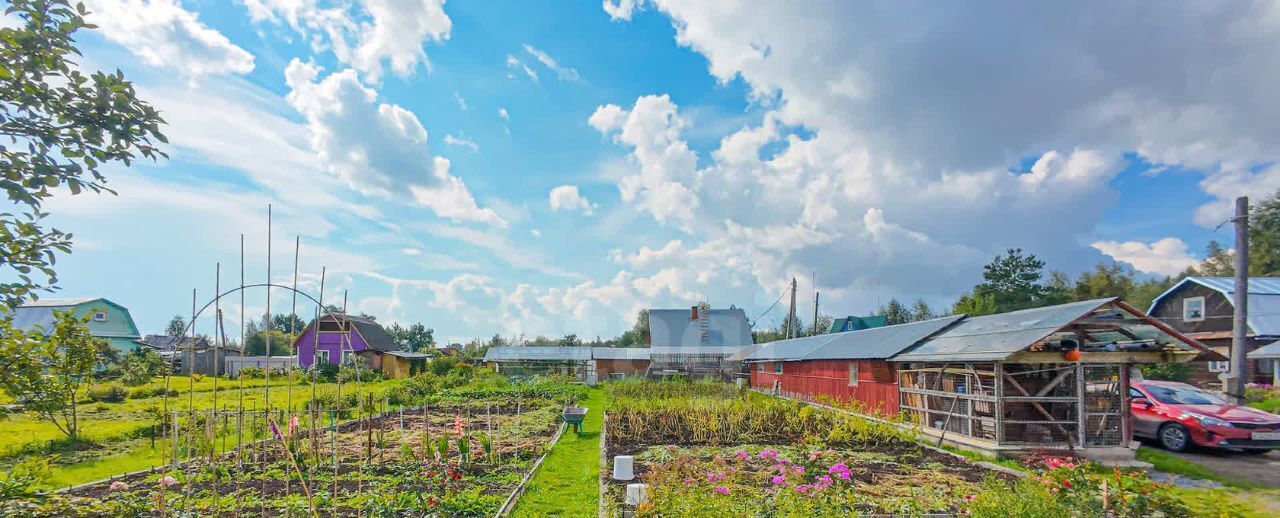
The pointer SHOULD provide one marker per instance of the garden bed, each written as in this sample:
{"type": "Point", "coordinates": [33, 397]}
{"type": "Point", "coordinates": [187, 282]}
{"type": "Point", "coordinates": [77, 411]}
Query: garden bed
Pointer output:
{"type": "Point", "coordinates": [453, 459]}
{"type": "Point", "coordinates": [715, 451]}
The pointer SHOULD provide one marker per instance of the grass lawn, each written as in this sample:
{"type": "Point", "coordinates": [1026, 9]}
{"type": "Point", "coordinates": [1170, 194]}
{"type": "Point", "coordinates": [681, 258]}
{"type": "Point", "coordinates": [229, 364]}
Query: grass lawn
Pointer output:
{"type": "Point", "coordinates": [117, 430]}
{"type": "Point", "coordinates": [568, 482]}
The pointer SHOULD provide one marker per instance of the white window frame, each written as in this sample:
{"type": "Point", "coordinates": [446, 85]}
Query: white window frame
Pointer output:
{"type": "Point", "coordinates": [1219, 366]}
{"type": "Point", "coordinates": [100, 316]}
{"type": "Point", "coordinates": [322, 355]}
{"type": "Point", "coordinates": [1186, 304]}
{"type": "Point", "coordinates": [853, 373]}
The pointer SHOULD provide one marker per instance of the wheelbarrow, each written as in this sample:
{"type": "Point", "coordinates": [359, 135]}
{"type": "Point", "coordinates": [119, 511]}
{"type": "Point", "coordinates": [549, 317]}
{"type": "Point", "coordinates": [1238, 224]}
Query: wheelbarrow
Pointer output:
{"type": "Point", "coordinates": [573, 416]}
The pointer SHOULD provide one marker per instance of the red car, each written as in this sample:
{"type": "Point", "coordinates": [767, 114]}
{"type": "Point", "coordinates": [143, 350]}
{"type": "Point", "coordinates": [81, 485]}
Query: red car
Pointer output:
{"type": "Point", "coordinates": [1178, 415]}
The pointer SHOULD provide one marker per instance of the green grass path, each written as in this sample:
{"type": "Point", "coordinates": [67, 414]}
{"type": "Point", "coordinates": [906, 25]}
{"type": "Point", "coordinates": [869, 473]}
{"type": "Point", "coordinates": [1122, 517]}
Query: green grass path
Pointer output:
{"type": "Point", "coordinates": [567, 483]}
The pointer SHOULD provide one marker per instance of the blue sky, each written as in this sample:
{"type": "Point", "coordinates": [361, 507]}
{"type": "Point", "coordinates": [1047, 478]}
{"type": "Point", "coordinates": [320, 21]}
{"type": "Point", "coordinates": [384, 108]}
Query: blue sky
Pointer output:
{"type": "Point", "coordinates": [547, 168]}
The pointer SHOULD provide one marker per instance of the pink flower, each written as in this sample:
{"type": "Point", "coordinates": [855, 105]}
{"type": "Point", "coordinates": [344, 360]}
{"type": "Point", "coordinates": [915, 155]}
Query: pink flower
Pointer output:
{"type": "Point", "coordinates": [722, 490]}
{"type": "Point", "coordinates": [769, 454]}
{"type": "Point", "coordinates": [457, 424]}
{"type": "Point", "coordinates": [803, 488]}
{"type": "Point", "coordinates": [688, 482]}
{"type": "Point", "coordinates": [779, 480]}
{"type": "Point", "coordinates": [742, 454]}
{"type": "Point", "coordinates": [118, 485]}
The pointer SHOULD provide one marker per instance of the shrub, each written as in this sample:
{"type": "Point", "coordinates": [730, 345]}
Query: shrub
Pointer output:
{"type": "Point", "coordinates": [149, 392]}
{"type": "Point", "coordinates": [109, 393]}
{"type": "Point", "coordinates": [1166, 371]}
{"type": "Point", "coordinates": [252, 373]}
{"type": "Point", "coordinates": [1064, 487]}
{"type": "Point", "coordinates": [141, 366]}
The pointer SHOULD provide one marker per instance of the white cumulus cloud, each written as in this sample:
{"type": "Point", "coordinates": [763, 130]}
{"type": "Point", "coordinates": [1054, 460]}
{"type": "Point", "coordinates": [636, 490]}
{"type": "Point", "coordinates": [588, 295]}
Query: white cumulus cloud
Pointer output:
{"type": "Point", "coordinates": [163, 34]}
{"type": "Point", "coordinates": [376, 148]}
{"type": "Point", "coordinates": [567, 198]}
{"type": "Point", "coordinates": [1168, 256]}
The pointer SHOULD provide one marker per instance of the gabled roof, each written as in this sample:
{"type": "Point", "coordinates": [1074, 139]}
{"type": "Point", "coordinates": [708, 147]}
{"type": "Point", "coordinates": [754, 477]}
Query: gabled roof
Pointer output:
{"type": "Point", "coordinates": [996, 337]}
{"type": "Point", "coordinates": [674, 327]}
{"type": "Point", "coordinates": [854, 323]}
{"type": "Point", "coordinates": [1263, 299]}
{"type": "Point", "coordinates": [169, 343]}
{"type": "Point", "coordinates": [866, 344]}
{"type": "Point", "coordinates": [373, 333]}
{"type": "Point", "coordinates": [39, 313]}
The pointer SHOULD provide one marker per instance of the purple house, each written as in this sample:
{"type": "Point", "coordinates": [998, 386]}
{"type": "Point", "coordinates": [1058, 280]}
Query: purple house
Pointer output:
{"type": "Point", "coordinates": [339, 336]}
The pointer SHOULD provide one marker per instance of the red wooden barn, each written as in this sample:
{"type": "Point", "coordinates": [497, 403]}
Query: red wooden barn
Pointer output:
{"type": "Point", "coordinates": [849, 366]}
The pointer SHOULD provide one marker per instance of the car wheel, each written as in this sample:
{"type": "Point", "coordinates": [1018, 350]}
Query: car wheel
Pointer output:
{"type": "Point", "coordinates": [1175, 437]}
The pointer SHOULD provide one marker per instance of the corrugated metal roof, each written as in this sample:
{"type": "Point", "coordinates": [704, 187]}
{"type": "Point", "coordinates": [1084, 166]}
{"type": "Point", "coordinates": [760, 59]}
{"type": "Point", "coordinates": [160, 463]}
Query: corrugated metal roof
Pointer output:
{"type": "Point", "coordinates": [60, 303]}
{"type": "Point", "coordinates": [792, 349]}
{"type": "Point", "coordinates": [499, 354]}
{"type": "Point", "coordinates": [995, 337]}
{"type": "Point", "coordinates": [673, 327]}
{"type": "Point", "coordinates": [720, 350]}
{"type": "Point", "coordinates": [866, 344]}
{"type": "Point", "coordinates": [620, 353]}
{"type": "Point", "coordinates": [1271, 350]}
{"type": "Point", "coordinates": [1264, 300]}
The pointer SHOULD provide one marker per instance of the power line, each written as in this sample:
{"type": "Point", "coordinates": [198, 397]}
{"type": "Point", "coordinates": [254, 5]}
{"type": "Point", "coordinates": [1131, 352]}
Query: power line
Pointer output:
{"type": "Point", "coordinates": [775, 304]}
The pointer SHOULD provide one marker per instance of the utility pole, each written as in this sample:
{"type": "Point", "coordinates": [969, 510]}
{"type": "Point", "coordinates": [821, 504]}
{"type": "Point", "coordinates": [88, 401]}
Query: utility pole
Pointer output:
{"type": "Point", "coordinates": [813, 279]}
{"type": "Point", "coordinates": [815, 312]}
{"type": "Point", "coordinates": [1239, 319]}
{"type": "Point", "coordinates": [792, 332]}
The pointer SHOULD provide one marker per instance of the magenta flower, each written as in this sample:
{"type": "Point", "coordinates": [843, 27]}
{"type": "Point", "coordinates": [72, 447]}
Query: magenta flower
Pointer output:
{"type": "Point", "coordinates": [688, 482]}
{"type": "Point", "coordinates": [722, 490]}
{"type": "Point", "coordinates": [779, 480]}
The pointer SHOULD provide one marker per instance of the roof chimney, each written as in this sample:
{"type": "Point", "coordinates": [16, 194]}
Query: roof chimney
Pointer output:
{"type": "Point", "coordinates": [693, 313]}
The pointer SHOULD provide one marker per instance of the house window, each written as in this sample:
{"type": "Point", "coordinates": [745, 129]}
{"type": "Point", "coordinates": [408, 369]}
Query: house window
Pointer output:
{"type": "Point", "coordinates": [1219, 366]}
{"type": "Point", "coordinates": [760, 367]}
{"type": "Point", "coordinates": [777, 367]}
{"type": "Point", "coordinates": [323, 356]}
{"type": "Point", "coordinates": [1193, 309]}
{"type": "Point", "coordinates": [853, 374]}
{"type": "Point", "coordinates": [100, 316]}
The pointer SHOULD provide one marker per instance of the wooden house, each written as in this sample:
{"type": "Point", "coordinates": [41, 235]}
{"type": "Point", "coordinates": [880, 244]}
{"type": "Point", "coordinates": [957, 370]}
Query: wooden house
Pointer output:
{"type": "Point", "coordinates": [334, 337]}
{"type": "Point", "coordinates": [1202, 308]}
{"type": "Point", "coordinates": [107, 320]}
{"type": "Point", "coordinates": [850, 366]}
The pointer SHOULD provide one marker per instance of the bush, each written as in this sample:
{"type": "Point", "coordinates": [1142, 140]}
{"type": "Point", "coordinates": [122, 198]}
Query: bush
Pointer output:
{"type": "Point", "coordinates": [109, 393]}
{"type": "Point", "coordinates": [251, 373]}
{"type": "Point", "coordinates": [140, 367]}
{"type": "Point", "coordinates": [150, 392]}
{"type": "Point", "coordinates": [1166, 371]}
{"type": "Point", "coordinates": [1064, 487]}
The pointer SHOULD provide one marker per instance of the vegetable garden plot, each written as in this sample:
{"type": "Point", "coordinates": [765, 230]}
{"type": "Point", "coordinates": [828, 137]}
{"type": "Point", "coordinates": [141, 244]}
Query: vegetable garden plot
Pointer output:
{"type": "Point", "coordinates": [717, 453]}
{"type": "Point", "coordinates": [454, 459]}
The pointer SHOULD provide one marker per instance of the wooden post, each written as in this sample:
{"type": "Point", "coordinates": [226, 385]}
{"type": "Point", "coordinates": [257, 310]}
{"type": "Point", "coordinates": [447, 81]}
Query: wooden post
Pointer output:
{"type": "Point", "coordinates": [999, 404]}
{"type": "Point", "coordinates": [1126, 426]}
{"type": "Point", "coordinates": [1080, 409]}
{"type": "Point", "coordinates": [1239, 317]}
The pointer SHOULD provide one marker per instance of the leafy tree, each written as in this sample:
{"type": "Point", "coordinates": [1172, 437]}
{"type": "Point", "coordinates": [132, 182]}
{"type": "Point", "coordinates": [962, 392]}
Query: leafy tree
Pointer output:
{"type": "Point", "coordinates": [49, 372]}
{"type": "Point", "coordinates": [287, 323]}
{"type": "Point", "coordinates": [1013, 281]}
{"type": "Point", "coordinates": [1218, 262]}
{"type": "Point", "coordinates": [894, 313]}
{"type": "Point", "coordinates": [1264, 237]}
{"type": "Point", "coordinates": [570, 340]}
{"type": "Point", "coordinates": [1105, 280]}
{"type": "Point", "coordinates": [60, 127]}
{"type": "Point", "coordinates": [975, 305]}
{"type": "Point", "coordinates": [920, 310]}
{"type": "Point", "coordinates": [140, 366]}
{"type": "Point", "coordinates": [255, 341]}
{"type": "Point", "coordinates": [177, 326]}
{"type": "Point", "coordinates": [822, 327]}
{"type": "Point", "coordinates": [638, 335]}
{"type": "Point", "coordinates": [420, 338]}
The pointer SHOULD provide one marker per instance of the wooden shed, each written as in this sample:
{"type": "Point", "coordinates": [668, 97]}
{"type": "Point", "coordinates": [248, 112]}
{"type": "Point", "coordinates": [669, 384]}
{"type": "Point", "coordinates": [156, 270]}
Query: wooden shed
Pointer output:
{"type": "Point", "coordinates": [850, 367]}
{"type": "Point", "coordinates": [1043, 378]}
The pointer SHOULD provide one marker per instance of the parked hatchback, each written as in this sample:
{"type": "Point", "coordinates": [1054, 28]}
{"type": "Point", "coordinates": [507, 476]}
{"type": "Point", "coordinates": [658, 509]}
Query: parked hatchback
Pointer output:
{"type": "Point", "coordinates": [1178, 415]}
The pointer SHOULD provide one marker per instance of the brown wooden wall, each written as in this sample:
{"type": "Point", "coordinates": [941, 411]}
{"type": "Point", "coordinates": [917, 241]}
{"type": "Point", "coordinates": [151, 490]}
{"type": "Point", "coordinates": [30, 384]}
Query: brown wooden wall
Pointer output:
{"type": "Point", "coordinates": [1218, 311]}
{"type": "Point", "coordinates": [877, 389]}
{"type": "Point", "coordinates": [606, 368]}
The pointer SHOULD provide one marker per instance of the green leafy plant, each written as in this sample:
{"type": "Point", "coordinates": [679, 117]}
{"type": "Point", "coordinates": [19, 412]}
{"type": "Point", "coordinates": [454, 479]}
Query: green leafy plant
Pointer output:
{"type": "Point", "coordinates": [21, 479]}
